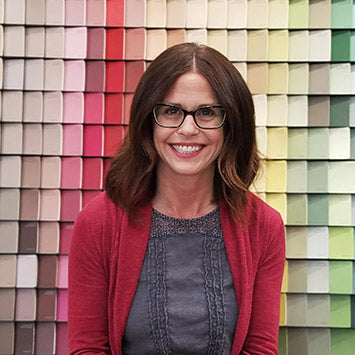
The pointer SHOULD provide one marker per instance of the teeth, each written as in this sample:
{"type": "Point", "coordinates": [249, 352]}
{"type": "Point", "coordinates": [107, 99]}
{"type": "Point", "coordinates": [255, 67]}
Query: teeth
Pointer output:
{"type": "Point", "coordinates": [186, 149]}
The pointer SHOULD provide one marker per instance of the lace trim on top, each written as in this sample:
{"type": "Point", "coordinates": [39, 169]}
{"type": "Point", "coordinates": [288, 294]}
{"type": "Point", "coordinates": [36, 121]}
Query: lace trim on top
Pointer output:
{"type": "Point", "coordinates": [163, 225]}
{"type": "Point", "coordinates": [209, 227]}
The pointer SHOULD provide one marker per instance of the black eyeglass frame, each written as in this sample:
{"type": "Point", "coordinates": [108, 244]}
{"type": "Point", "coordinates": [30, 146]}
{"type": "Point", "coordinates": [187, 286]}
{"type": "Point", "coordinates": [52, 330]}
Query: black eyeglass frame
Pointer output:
{"type": "Point", "coordinates": [192, 113]}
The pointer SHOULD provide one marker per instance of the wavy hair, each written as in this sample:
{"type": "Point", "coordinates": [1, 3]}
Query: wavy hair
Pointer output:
{"type": "Point", "coordinates": [131, 179]}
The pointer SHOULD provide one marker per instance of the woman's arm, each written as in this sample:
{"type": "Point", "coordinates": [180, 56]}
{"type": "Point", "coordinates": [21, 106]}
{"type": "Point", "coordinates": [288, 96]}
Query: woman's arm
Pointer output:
{"type": "Point", "coordinates": [88, 286]}
{"type": "Point", "coordinates": [264, 323]}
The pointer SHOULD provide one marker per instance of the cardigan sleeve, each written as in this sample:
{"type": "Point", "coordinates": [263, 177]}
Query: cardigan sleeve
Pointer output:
{"type": "Point", "coordinates": [262, 336]}
{"type": "Point", "coordinates": [88, 284]}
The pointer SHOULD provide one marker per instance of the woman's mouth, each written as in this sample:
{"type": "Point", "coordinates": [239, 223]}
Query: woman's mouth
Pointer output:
{"type": "Point", "coordinates": [187, 149]}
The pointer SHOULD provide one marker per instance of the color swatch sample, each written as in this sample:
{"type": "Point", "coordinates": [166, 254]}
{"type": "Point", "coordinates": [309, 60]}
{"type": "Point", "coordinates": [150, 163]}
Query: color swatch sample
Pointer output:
{"type": "Point", "coordinates": [68, 72]}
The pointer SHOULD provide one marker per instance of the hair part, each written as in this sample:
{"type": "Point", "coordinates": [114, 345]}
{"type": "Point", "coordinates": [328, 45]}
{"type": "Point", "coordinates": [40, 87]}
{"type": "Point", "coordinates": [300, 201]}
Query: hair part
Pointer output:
{"type": "Point", "coordinates": [131, 179]}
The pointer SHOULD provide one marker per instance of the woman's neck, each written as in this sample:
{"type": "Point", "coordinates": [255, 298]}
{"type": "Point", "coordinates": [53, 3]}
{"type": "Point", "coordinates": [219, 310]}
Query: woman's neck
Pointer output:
{"type": "Point", "coordinates": [184, 196]}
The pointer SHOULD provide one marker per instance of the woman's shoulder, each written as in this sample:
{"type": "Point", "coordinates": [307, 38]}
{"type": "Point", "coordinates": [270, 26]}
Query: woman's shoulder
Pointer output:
{"type": "Point", "coordinates": [98, 215]}
{"type": "Point", "coordinates": [99, 206]}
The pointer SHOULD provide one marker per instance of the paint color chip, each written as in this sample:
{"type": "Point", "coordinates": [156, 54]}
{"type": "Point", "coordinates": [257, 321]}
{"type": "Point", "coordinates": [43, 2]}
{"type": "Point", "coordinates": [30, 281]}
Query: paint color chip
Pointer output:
{"type": "Point", "coordinates": [75, 12]}
{"type": "Point", "coordinates": [13, 74]}
{"type": "Point", "coordinates": [73, 140]}
{"type": "Point", "coordinates": [114, 76]}
{"type": "Point", "coordinates": [113, 108]}
{"type": "Point", "coordinates": [175, 14]}
{"type": "Point", "coordinates": [14, 12]}
{"type": "Point", "coordinates": [14, 41]}
{"type": "Point", "coordinates": [297, 209]}
{"type": "Point", "coordinates": [48, 238]}
{"type": "Point", "coordinates": [55, 11]}
{"type": "Point", "coordinates": [96, 46]}
{"type": "Point", "coordinates": [156, 43]}
{"type": "Point", "coordinates": [217, 14]}
{"type": "Point", "coordinates": [340, 50]}
{"type": "Point", "coordinates": [92, 173]}
{"type": "Point", "coordinates": [96, 12]}
{"type": "Point", "coordinates": [155, 13]}
{"type": "Point", "coordinates": [135, 43]}
{"type": "Point", "coordinates": [32, 106]}
{"type": "Point", "coordinates": [196, 14]}
{"type": "Point", "coordinates": [26, 273]}
{"type": "Point", "coordinates": [298, 46]}
{"type": "Point", "coordinates": [134, 13]}
{"type": "Point", "coordinates": [319, 13]}
{"type": "Point", "coordinates": [114, 43]}
{"type": "Point", "coordinates": [26, 304]}
{"type": "Point", "coordinates": [45, 338]}
{"type": "Point", "coordinates": [74, 75]}
{"type": "Point", "coordinates": [32, 139]}
{"type": "Point", "coordinates": [24, 341]}
{"type": "Point", "coordinates": [70, 204]}
{"type": "Point", "coordinates": [75, 42]}
{"type": "Point", "coordinates": [35, 12]}
{"type": "Point", "coordinates": [46, 306]}
{"type": "Point", "coordinates": [47, 272]}
{"type": "Point", "coordinates": [95, 76]}
{"type": "Point", "coordinates": [52, 107]}
{"type": "Point", "coordinates": [8, 237]}
{"type": "Point", "coordinates": [73, 107]}
{"type": "Point", "coordinates": [29, 205]}
{"type": "Point", "coordinates": [237, 45]}
{"type": "Point", "coordinates": [298, 14]}
{"type": "Point", "coordinates": [50, 172]}
{"type": "Point", "coordinates": [133, 73]}
{"type": "Point", "coordinates": [10, 171]}
{"type": "Point", "coordinates": [50, 205]}
{"type": "Point", "coordinates": [71, 173]}
{"type": "Point", "coordinates": [94, 108]}
{"type": "Point", "coordinates": [257, 13]}
{"type": "Point", "coordinates": [7, 270]}
{"type": "Point", "coordinates": [52, 139]}
{"type": "Point", "coordinates": [34, 74]}
{"type": "Point", "coordinates": [7, 299]}
{"type": "Point", "coordinates": [10, 204]}
{"type": "Point", "coordinates": [54, 46]}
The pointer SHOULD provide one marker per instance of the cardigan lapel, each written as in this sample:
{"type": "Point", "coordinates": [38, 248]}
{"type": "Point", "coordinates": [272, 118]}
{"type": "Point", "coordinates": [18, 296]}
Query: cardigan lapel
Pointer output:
{"type": "Point", "coordinates": [132, 247]}
{"type": "Point", "coordinates": [235, 242]}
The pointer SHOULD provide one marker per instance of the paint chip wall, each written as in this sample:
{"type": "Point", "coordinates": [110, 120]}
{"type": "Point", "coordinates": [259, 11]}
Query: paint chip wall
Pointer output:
{"type": "Point", "coordinates": [68, 71]}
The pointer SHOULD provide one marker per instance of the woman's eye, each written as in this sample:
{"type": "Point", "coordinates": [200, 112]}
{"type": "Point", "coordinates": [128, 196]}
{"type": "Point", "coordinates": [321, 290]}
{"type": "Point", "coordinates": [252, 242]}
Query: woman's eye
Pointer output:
{"type": "Point", "coordinates": [206, 112]}
{"type": "Point", "coordinates": [171, 111]}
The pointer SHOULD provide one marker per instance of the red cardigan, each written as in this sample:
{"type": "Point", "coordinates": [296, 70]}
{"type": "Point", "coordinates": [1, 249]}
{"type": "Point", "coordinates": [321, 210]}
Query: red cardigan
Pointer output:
{"type": "Point", "coordinates": [106, 257]}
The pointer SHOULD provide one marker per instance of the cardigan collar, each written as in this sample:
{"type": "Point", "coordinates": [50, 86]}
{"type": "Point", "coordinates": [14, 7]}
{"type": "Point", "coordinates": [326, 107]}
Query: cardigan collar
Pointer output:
{"type": "Point", "coordinates": [133, 244]}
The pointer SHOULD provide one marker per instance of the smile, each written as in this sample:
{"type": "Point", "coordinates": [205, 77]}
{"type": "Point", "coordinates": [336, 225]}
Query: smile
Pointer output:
{"type": "Point", "coordinates": [187, 149]}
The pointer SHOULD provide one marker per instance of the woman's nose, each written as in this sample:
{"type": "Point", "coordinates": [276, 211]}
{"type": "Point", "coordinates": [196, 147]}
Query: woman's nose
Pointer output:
{"type": "Point", "coordinates": [188, 126]}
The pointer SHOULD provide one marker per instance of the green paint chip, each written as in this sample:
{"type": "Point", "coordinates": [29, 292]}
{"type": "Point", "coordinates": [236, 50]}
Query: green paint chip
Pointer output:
{"type": "Point", "coordinates": [341, 243]}
{"type": "Point", "coordinates": [342, 341]}
{"type": "Point", "coordinates": [339, 111]}
{"type": "Point", "coordinates": [318, 210]}
{"type": "Point", "coordinates": [340, 314]}
{"type": "Point", "coordinates": [340, 50]}
{"type": "Point", "coordinates": [340, 277]}
{"type": "Point", "coordinates": [341, 13]}
{"type": "Point", "coordinates": [317, 176]}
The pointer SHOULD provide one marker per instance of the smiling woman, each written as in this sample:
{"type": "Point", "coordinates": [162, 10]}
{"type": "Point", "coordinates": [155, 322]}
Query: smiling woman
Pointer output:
{"type": "Point", "coordinates": [187, 152]}
{"type": "Point", "coordinates": [177, 256]}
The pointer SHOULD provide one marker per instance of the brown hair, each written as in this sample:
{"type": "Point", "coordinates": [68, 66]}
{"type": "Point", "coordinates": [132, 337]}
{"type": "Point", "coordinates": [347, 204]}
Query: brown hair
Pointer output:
{"type": "Point", "coordinates": [131, 179]}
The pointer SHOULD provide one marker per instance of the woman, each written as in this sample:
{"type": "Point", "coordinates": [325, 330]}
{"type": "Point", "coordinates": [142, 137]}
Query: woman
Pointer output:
{"type": "Point", "coordinates": [176, 256]}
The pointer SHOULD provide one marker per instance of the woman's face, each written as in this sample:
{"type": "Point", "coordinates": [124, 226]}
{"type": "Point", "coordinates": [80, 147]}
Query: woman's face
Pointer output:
{"type": "Point", "coordinates": [188, 150]}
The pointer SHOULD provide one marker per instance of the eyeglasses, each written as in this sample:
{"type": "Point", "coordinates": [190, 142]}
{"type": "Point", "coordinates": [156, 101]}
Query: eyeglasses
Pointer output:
{"type": "Point", "coordinates": [205, 117]}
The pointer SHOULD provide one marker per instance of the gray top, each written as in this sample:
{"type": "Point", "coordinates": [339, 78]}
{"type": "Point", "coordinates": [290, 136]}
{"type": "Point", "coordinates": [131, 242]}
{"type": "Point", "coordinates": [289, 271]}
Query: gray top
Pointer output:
{"type": "Point", "coordinates": [185, 301]}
